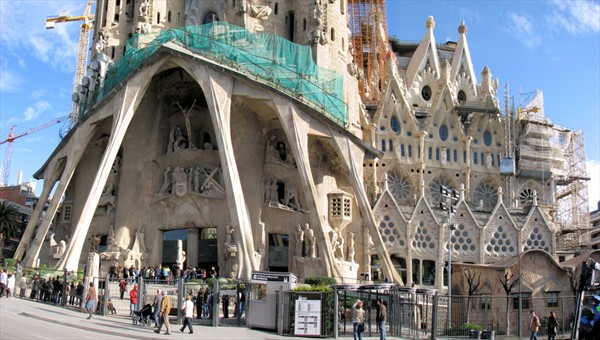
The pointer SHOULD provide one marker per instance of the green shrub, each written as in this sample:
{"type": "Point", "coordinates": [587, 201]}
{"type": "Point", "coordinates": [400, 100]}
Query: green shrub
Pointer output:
{"type": "Point", "coordinates": [305, 288]}
{"type": "Point", "coordinates": [320, 281]}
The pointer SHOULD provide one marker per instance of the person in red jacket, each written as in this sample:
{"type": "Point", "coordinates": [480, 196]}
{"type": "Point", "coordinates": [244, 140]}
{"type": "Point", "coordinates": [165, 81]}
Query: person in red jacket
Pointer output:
{"type": "Point", "coordinates": [133, 296]}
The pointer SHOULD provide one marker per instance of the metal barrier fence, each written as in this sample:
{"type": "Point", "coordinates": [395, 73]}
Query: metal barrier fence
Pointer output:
{"type": "Point", "coordinates": [502, 315]}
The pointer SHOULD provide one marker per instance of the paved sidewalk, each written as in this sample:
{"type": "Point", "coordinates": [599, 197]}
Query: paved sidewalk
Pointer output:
{"type": "Point", "coordinates": [121, 326]}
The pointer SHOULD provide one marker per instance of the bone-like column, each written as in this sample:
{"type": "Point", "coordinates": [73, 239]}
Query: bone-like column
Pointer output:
{"type": "Point", "coordinates": [128, 99]}
{"type": "Point", "coordinates": [350, 153]}
{"type": "Point", "coordinates": [51, 175]}
{"type": "Point", "coordinates": [296, 132]}
{"type": "Point", "coordinates": [83, 135]}
{"type": "Point", "coordinates": [218, 89]}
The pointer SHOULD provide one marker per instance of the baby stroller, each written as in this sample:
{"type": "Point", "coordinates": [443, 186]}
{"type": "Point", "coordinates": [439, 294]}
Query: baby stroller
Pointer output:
{"type": "Point", "coordinates": [143, 316]}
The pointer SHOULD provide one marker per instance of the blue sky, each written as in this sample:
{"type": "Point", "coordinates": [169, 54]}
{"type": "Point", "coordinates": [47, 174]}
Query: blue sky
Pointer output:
{"type": "Point", "coordinates": [549, 45]}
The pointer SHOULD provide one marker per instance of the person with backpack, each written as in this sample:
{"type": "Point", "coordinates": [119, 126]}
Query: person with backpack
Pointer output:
{"type": "Point", "coordinates": [552, 326]}
{"type": "Point", "coordinates": [534, 325]}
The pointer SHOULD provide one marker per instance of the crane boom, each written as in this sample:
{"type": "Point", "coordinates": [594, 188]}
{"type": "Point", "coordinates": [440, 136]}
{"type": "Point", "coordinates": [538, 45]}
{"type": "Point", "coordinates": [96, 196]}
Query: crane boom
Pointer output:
{"type": "Point", "coordinates": [82, 50]}
{"type": "Point", "coordinates": [11, 138]}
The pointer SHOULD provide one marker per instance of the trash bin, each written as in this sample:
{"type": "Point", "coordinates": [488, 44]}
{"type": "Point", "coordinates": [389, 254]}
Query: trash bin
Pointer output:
{"type": "Point", "coordinates": [488, 335]}
{"type": "Point", "coordinates": [474, 334]}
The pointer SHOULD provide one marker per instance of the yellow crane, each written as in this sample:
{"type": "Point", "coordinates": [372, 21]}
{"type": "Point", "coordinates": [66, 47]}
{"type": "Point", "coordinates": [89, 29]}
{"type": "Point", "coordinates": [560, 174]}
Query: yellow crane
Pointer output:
{"type": "Point", "coordinates": [82, 51]}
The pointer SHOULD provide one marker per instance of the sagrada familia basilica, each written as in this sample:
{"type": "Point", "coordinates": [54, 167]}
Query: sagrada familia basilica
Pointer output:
{"type": "Point", "coordinates": [264, 135]}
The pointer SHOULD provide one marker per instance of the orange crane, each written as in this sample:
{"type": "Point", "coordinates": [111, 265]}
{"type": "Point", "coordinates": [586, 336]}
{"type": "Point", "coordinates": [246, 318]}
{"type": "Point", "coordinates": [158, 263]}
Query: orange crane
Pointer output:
{"type": "Point", "coordinates": [82, 51]}
{"type": "Point", "coordinates": [11, 138]}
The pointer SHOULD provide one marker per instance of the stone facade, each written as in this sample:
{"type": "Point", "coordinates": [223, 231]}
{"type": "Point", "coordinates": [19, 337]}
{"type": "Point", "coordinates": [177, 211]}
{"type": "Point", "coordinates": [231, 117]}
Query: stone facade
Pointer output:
{"type": "Point", "coordinates": [190, 148]}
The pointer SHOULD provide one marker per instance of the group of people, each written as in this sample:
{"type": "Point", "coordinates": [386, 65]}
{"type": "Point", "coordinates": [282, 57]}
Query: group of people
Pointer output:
{"type": "Point", "coordinates": [534, 326]}
{"type": "Point", "coordinates": [162, 309]}
{"type": "Point", "coordinates": [160, 273]}
{"type": "Point", "coordinates": [358, 319]}
{"type": "Point", "coordinates": [7, 284]}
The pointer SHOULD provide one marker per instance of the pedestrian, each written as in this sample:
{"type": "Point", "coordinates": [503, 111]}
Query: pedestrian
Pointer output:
{"type": "Point", "coordinates": [552, 326]}
{"type": "Point", "coordinates": [188, 309]}
{"type": "Point", "coordinates": [3, 282]}
{"type": "Point", "coordinates": [242, 300]}
{"type": "Point", "coordinates": [90, 300]}
{"type": "Point", "coordinates": [111, 307]}
{"type": "Point", "coordinates": [10, 285]}
{"type": "Point", "coordinates": [22, 286]}
{"type": "Point", "coordinates": [79, 293]}
{"type": "Point", "coordinates": [35, 285]}
{"type": "Point", "coordinates": [156, 305]}
{"type": "Point", "coordinates": [225, 303]}
{"type": "Point", "coordinates": [381, 318]}
{"type": "Point", "coordinates": [165, 309]}
{"type": "Point", "coordinates": [133, 297]}
{"type": "Point", "coordinates": [534, 325]}
{"type": "Point", "coordinates": [122, 288]}
{"type": "Point", "coordinates": [72, 293]}
{"type": "Point", "coordinates": [358, 315]}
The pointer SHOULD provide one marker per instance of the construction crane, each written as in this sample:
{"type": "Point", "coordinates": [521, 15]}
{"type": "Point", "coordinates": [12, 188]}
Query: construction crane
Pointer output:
{"type": "Point", "coordinates": [11, 138]}
{"type": "Point", "coordinates": [82, 50]}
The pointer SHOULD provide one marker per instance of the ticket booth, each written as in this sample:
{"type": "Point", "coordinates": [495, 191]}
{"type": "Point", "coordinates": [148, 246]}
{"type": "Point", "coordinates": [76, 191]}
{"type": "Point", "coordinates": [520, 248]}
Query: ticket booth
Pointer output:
{"type": "Point", "coordinates": [262, 301]}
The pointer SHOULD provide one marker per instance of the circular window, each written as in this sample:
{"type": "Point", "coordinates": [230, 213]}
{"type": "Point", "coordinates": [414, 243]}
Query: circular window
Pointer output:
{"type": "Point", "coordinates": [395, 125]}
{"type": "Point", "coordinates": [443, 132]}
{"type": "Point", "coordinates": [487, 138]}
{"type": "Point", "coordinates": [462, 97]}
{"type": "Point", "coordinates": [426, 92]}
{"type": "Point", "coordinates": [486, 194]}
{"type": "Point", "coordinates": [399, 185]}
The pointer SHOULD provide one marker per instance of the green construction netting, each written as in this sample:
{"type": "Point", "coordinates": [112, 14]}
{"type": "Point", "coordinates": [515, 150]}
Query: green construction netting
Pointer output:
{"type": "Point", "coordinates": [272, 59]}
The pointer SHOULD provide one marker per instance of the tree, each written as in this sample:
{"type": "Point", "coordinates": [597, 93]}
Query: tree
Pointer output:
{"type": "Point", "coordinates": [8, 223]}
{"type": "Point", "coordinates": [473, 282]}
{"type": "Point", "coordinates": [508, 287]}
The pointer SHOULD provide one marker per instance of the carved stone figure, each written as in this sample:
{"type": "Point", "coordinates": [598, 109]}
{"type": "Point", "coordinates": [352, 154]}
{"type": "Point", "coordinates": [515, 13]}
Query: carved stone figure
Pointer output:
{"type": "Point", "coordinates": [351, 247]}
{"type": "Point", "coordinates": [489, 159]}
{"type": "Point", "coordinates": [179, 140]}
{"type": "Point", "coordinates": [140, 235]}
{"type": "Point", "coordinates": [144, 6]}
{"type": "Point", "coordinates": [260, 11]}
{"type": "Point", "coordinates": [443, 156]}
{"type": "Point", "coordinates": [337, 244]}
{"type": "Point", "coordinates": [197, 173]}
{"type": "Point", "coordinates": [180, 178]}
{"type": "Point", "coordinates": [299, 238]}
{"type": "Point", "coordinates": [100, 44]}
{"type": "Point", "coordinates": [274, 196]}
{"type": "Point", "coordinates": [188, 124]}
{"type": "Point", "coordinates": [111, 242]}
{"type": "Point", "coordinates": [166, 185]}
{"type": "Point", "coordinates": [309, 241]}
{"type": "Point", "coordinates": [291, 197]}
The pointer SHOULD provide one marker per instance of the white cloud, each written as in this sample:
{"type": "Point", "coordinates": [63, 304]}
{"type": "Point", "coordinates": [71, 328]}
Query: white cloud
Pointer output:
{"type": "Point", "coordinates": [576, 16]}
{"type": "Point", "coordinates": [22, 24]}
{"type": "Point", "coordinates": [522, 29]}
{"type": "Point", "coordinates": [593, 169]}
{"type": "Point", "coordinates": [33, 112]}
{"type": "Point", "coordinates": [9, 80]}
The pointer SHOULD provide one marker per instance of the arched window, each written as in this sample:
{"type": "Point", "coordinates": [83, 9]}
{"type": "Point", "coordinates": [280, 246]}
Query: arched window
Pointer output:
{"type": "Point", "coordinates": [158, 18]}
{"type": "Point", "coordinates": [395, 125]}
{"type": "Point", "coordinates": [487, 138]}
{"type": "Point", "coordinates": [304, 24]}
{"type": "Point", "coordinates": [443, 132]}
{"type": "Point", "coordinates": [332, 34]}
{"type": "Point", "coordinates": [426, 92]}
{"type": "Point", "coordinates": [462, 97]}
{"type": "Point", "coordinates": [169, 16]}
{"type": "Point", "coordinates": [210, 17]}
{"type": "Point", "coordinates": [276, 8]}
{"type": "Point", "coordinates": [343, 6]}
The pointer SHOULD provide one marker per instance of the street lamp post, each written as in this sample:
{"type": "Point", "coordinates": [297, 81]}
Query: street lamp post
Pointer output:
{"type": "Point", "coordinates": [447, 204]}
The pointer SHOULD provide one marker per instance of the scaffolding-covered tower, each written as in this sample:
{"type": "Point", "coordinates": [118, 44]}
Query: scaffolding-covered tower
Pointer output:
{"type": "Point", "coordinates": [572, 196]}
{"type": "Point", "coordinates": [368, 26]}
{"type": "Point", "coordinates": [556, 156]}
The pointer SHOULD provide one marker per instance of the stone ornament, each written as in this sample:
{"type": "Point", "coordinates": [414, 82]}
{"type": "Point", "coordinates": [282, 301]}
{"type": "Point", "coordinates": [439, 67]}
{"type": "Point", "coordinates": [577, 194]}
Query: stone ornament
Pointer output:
{"type": "Point", "coordinates": [309, 242]}
{"type": "Point", "coordinates": [181, 181]}
{"type": "Point", "coordinates": [299, 238]}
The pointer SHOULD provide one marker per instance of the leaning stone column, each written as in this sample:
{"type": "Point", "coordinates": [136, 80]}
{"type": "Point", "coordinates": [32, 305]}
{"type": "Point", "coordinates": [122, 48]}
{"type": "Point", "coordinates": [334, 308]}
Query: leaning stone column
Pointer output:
{"type": "Point", "coordinates": [218, 89]}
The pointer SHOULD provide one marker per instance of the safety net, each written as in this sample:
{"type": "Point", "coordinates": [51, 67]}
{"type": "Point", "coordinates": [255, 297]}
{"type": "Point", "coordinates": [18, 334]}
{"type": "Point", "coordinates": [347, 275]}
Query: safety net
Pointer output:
{"type": "Point", "coordinates": [269, 58]}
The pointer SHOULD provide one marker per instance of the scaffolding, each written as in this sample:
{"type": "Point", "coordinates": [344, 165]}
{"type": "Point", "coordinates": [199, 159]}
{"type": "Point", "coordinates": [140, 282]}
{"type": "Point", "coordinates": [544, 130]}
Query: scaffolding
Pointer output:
{"type": "Point", "coordinates": [572, 213]}
{"type": "Point", "coordinates": [368, 28]}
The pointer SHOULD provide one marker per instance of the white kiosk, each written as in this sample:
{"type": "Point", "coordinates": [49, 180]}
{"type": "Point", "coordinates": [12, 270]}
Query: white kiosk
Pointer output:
{"type": "Point", "coordinates": [262, 302]}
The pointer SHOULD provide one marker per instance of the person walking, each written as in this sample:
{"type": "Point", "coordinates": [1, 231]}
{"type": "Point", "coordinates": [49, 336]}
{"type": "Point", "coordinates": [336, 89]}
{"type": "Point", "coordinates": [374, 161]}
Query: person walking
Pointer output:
{"type": "Point", "coordinates": [358, 315]}
{"type": "Point", "coordinates": [165, 309]}
{"type": "Point", "coordinates": [534, 325]}
{"type": "Point", "coordinates": [122, 288]}
{"type": "Point", "coordinates": [156, 305]}
{"type": "Point", "coordinates": [90, 300]}
{"type": "Point", "coordinates": [3, 282]}
{"type": "Point", "coordinates": [133, 298]}
{"type": "Point", "coordinates": [22, 287]}
{"type": "Point", "coordinates": [10, 285]}
{"type": "Point", "coordinates": [381, 318]}
{"type": "Point", "coordinates": [552, 326]}
{"type": "Point", "coordinates": [188, 310]}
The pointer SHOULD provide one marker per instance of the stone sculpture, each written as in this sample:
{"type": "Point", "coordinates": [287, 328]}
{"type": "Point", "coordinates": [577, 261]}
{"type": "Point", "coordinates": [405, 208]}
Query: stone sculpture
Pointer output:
{"type": "Point", "coordinates": [309, 241]}
{"type": "Point", "coordinates": [337, 244]}
{"type": "Point", "coordinates": [351, 247]}
{"type": "Point", "coordinates": [299, 238]}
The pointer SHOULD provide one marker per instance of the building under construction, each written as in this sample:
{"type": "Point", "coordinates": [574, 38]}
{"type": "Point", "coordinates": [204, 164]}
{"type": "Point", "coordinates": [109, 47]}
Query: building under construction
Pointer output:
{"type": "Point", "coordinates": [294, 136]}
